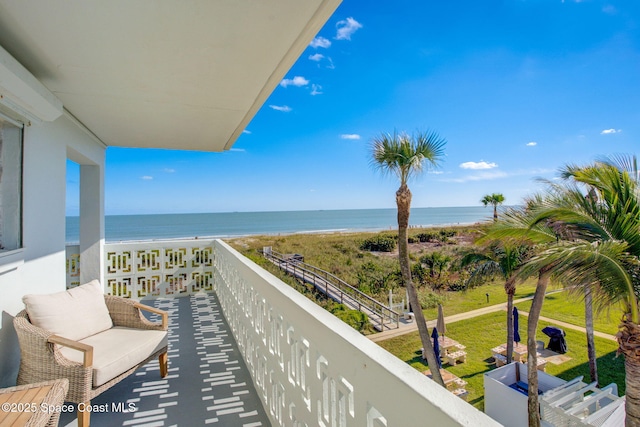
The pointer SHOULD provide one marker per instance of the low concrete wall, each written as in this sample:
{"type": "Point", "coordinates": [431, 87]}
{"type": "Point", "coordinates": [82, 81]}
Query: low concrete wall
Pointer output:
{"type": "Point", "coordinates": [312, 369]}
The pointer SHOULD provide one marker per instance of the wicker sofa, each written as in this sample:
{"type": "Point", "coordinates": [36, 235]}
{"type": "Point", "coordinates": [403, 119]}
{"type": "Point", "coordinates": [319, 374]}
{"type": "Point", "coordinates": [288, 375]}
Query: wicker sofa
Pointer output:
{"type": "Point", "coordinates": [93, 340]}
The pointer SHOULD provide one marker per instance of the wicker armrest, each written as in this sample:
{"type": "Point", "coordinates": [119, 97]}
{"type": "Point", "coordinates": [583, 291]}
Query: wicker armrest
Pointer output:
{"type": "Point", "coordinates": [41, 359]}
{"type": "Point", "coordinates": [38, 344]}
{"type": "Point", "coordinates": [128, 313]}
{"type": "Point", "coordinates": [84, 348]}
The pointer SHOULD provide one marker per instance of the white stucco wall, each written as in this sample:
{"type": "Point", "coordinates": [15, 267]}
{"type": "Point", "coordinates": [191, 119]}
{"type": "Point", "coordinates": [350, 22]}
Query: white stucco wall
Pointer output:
{"type": "Point", "coordinates": [46, 148]}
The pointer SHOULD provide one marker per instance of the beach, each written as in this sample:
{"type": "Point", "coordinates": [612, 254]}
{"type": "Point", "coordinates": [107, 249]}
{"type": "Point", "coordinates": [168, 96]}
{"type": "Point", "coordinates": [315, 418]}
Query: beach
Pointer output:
{"type": "Point", "coordinates": [236, 224]}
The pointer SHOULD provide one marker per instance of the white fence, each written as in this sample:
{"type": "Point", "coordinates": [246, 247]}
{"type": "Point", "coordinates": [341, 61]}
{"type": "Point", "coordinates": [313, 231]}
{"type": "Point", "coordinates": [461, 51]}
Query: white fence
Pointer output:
{"type": "Point", "coordinates": [309, 368]}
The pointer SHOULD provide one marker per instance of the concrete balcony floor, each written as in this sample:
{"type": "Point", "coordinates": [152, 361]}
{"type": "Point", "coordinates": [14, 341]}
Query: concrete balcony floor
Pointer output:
{"type": "Point", "coordinates": [208, 381]}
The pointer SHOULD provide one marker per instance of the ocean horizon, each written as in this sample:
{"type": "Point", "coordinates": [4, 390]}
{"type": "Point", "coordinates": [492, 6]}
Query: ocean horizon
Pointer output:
{"type": "Point", "coordinates": [236, 224]}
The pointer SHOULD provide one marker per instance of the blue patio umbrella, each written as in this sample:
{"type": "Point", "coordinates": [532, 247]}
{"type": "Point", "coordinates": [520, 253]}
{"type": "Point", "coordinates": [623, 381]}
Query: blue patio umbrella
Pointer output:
{"type": "Point", "coordinates": [516, 333]}
{"type": "Point", "coordinates": [436, 346]}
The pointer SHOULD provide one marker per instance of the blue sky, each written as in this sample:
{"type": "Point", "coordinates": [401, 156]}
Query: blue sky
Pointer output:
{"type": "Point", "coordinates": [517, 88]}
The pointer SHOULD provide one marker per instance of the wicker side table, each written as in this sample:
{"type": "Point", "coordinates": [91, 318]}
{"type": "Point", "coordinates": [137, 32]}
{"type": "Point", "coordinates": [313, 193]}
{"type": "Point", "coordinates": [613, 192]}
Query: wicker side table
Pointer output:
{"type": "Point", "coordinates": [23, 405]}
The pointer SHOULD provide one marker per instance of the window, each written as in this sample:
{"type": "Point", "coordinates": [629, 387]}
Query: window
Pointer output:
{"type": "Point", "coordinates": [10, 185]}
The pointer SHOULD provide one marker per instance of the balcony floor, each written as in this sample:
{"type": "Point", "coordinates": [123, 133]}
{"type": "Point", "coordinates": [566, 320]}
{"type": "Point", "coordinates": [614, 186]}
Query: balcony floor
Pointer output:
{"type": "Point", "coordinates": [208, 381]}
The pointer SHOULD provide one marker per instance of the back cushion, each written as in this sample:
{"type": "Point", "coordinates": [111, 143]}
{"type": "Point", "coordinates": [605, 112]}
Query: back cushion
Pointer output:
{"type": "Point", "coordinates": [75, 314]}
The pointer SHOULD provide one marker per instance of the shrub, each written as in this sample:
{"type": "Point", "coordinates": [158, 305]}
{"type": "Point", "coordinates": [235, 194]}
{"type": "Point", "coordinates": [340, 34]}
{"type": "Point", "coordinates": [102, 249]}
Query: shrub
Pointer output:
{"type": "Point", "coordinates": [419, 273]}
{"type": "Point", "coordinates": [354, 318]}
{"type": "Point", "coordinates": [454, 287]}
{"type": "Point", "coordinates": [374, 279]}
{"type": "Point", "coordinates": [427, 237]}
{"type": "Point", "coordinates": [380, 243]}
{"type": "Point", "coordinates": [448, 233]}
{"type": "Point", "coordinates": [429, 299]}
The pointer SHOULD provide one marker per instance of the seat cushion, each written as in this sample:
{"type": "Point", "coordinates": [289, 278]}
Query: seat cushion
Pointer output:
{"type": "Point", "coordinates": [117, 350]}
{"type": "Point", "coordinates": [75, 314]}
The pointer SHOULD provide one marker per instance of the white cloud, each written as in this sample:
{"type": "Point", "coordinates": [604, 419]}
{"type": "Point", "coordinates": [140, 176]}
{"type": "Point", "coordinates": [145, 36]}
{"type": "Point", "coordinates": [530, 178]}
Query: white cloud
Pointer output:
{"type": "Point", "coordinates": [532, 144]}
{"type": "Point", "coordinates": [496, 174]}
{"type": "Point", "coordinates": [316, 89]}
{"type": "Point", "coordinates": [283, 108]}
{"type": "Point", "coordinates": [610, 131]}
{"type": "Point", "coordinates": [316, 57]}
{"type": "Point", "coordinates": [330, 66]}
{"type": "Point", "coordinates": [346, 28]}
{"type": "Point", "coordinates": [169, 170]}
{"type": "Point", "coordinates": [320, 42]}
{"type": "Point", "coordinates": [610, 9]}
{"type": "Point", "coordinates": [480, 176]}
{"type": "Point", "coordinates": [350, 136]}
{"type": "Point", "coordinates": [239, 150]}
{"type": "Point", "coordinates": [478, 165]}
{"type": "Point", "coordinates": [146, 177]}
{"type": "Point", "coordinates": [248, 132]}
{"type": "Point", "coordinates": [296, 81]}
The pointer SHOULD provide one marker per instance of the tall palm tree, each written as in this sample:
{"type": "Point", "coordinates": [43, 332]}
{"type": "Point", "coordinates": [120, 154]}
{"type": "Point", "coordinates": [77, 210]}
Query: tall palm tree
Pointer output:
{"type": "Point", "coordinates": [494, 200]}
{"type": "Point", "coordinates": [605, 252]}
{"type": "Point", "coordinates": [500, 260]}
{"type": "Point", "coordinates": [520, 223]}
{"type": "Point", "coordinates": [405, 156]}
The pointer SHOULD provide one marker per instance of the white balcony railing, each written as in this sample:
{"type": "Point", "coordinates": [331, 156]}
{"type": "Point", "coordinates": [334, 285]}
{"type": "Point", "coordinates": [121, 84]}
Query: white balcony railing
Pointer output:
{"type": "Point", "coordinates": [308, 367]}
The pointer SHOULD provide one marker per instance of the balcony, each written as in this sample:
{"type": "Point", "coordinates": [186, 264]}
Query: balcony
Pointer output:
{"type": "Point", "coordinates": [246, 349]}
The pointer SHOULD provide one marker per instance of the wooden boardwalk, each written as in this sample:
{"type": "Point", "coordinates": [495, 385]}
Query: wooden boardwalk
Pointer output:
{"type": "Point", "coordinates": [381, 316]}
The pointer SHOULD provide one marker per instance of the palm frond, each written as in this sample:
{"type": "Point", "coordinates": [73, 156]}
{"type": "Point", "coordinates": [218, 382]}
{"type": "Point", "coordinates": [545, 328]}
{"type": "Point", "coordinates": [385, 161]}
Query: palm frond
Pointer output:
{"type": "Point", "coordinates": [406, 155]}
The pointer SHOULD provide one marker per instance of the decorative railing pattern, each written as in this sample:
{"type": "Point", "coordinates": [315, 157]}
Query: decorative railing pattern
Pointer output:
{"type": "Point", "coordinates": [311, 369]}
{"type": "Point", "coordinates": [151, 269]}
{"type": "Point", "coordinates": [308, 367]}
{"type": "Point", "coordinates": [158, 269]}
{"type": "Point", "coordinates": [73, 266]}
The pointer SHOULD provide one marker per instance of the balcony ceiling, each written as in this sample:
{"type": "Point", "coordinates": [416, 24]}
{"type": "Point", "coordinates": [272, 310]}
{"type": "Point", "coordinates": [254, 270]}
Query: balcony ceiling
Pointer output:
{"type": "Point", "coordinates": [161, 74]}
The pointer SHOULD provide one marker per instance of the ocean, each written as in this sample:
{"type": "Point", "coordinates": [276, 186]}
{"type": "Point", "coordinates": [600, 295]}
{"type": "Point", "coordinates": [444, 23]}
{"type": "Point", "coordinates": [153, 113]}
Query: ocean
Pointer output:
{"type": "Point", "coordinates": [231, 224]}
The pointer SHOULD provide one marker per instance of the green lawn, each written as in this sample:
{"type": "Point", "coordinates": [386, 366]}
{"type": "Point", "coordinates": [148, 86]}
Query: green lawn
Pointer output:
{"type": "Point", "coordinates": [570, 308]}
{"type": "Point", "coordinates": [482, 333]}
{"type": "Point", "coordinates": [473, 299]}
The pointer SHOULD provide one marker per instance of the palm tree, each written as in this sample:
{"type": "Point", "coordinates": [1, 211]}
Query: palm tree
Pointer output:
{"type": "Point", "coordinates": [605, 251]}
{"type": "Point", "coordinates": [437, 262]}
{"type": "Point", "coordinates": [494, 199]}
{"type": "Point", "coordinates": [500, 260]}
{"type": "Point", "coordinates": [520, 223]}
{"type": "Point", "coordinates": [405, 156]}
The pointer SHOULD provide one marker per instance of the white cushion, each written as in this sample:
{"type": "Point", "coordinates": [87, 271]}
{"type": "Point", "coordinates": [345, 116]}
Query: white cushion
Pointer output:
{"type": "Point", "coordinates": [75, 314]}
{"type": "Point", "coordinates": [117, 350]}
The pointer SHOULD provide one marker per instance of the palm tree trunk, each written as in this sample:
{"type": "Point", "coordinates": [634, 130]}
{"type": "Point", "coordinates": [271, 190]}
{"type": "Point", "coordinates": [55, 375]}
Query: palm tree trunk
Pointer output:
{"type": "Point", "coordinates": [510, 289]}
{"type": "Point", "coordinates": [591, 345]}
{"type": "Point", "coordinates": [532, 357]}
{"type": "Point", "coordinates": [629, 345]}
{"type": "Point", "coordinates": [403, 200]}
{"type": "Point", "coordinates": [495, 212]}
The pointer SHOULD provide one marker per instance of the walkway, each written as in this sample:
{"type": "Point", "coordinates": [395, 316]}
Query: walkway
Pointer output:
{"type": "Point", "coordinates": [574, 327]}
{"type": "Point", "coordinates": [406, 328]}
{"type": "Point", "coordinates": [381, 317]}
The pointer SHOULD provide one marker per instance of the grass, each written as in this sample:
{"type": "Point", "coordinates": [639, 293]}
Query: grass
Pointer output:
{"type": "Point", "coordinates": [340, 254]}
{"type": "Point", "coordinates": [475, 298]}
{"type": "Point", "coordinates": [570, 309]}
{"type": "Point", "coordinates": [482, 333]}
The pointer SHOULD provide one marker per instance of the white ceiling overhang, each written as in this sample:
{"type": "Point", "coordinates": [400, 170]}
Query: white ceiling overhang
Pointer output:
{"type": "Point", "coordinates": [161, 74]}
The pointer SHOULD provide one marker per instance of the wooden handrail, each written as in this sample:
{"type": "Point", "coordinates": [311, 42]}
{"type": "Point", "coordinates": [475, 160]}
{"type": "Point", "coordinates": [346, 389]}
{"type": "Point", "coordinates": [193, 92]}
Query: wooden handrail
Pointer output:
{"type": "Point", "coordinates": [66, 342]}
{"type": "Point", "coordinates": [163, 313]}
{"type": "Point", "coordinates": [358, 297]}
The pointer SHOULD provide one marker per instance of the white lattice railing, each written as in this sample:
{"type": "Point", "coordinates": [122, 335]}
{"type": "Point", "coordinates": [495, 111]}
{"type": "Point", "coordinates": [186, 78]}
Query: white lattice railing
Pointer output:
{"type": "Point", "coordinates": [155, 269]}
{"type": "Point", "coordinates": [309, 368]}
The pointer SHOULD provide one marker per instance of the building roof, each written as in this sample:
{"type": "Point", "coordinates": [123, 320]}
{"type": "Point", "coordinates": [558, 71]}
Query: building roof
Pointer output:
{"type": "Point", "coordinates": [161, 74]}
